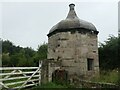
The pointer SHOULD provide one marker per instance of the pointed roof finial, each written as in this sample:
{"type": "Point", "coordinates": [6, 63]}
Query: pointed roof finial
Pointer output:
{"type": "Point", "coordinates": [72, 13]}
{"type": "Point", "coordinates": [72, 6]}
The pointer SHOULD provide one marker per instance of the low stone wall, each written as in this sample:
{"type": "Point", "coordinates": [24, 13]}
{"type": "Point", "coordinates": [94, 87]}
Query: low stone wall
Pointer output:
{"type": "Point", "coordinates": [89, 84]}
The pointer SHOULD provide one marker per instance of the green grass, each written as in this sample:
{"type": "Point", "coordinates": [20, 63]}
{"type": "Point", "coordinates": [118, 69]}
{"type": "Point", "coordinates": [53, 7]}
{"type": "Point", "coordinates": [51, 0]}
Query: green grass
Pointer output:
{"type": "Point", "coordinates": [107, 77]}
{"type": "Point", "coordinates": [54, 86]}
{"type": "Point", "coordinates": [48, 85]}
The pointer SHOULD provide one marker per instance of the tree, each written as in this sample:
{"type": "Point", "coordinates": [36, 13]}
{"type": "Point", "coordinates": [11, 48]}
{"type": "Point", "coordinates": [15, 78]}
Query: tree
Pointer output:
{"type": "Point", "coordinates": [19, 56]}
{"type": "Point", "coordinates": [41, 53]}
{"type": "Point", "coordinates": [6, 59]}
{"type": "Point", "coordinates": [109, 53]}
{"type": "Point", "coordinates": [7, 46]}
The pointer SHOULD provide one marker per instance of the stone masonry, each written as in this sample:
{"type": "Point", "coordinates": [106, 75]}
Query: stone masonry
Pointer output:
{"type": "Point", "coordinates": [72, 46]}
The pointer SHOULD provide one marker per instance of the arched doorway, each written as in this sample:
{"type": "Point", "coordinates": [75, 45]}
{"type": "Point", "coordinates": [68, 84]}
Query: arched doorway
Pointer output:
{"type": "Point", "coordinates": [60, 76]}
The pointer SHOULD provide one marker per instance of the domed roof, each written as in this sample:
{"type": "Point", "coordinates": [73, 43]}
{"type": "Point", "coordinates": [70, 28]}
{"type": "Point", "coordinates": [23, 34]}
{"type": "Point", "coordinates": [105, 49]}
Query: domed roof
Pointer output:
{"type": "Point", "coordinates": [72, 22]}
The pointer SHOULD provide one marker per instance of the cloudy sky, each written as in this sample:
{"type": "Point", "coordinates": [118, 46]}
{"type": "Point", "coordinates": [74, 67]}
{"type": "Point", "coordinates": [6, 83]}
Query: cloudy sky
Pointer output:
{"type": "Point", "coordinates": [119, 16]}
{"type": "Point", "coordinates": [28, 23]}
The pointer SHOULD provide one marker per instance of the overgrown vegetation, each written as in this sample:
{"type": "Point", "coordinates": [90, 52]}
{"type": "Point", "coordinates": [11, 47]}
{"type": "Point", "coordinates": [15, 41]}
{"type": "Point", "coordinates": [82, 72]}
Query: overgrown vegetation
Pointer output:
{"type": "Point", "coordinates": [111, 76]}
{"type": "Point", "coordinates": [109, 53]}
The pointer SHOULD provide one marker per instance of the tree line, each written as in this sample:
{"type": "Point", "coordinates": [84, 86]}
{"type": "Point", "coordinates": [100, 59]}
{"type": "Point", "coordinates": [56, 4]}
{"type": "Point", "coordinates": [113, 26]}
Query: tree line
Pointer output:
{"type": "Point", "coordinates": [13, 55]}
{"type": "Point", "coordinates": [109, 53]}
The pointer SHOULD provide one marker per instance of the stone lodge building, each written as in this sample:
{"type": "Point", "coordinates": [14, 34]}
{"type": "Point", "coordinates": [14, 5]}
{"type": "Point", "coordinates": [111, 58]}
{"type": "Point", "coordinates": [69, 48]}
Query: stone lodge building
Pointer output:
{"type": "Point", "coordinates": [72, 49]}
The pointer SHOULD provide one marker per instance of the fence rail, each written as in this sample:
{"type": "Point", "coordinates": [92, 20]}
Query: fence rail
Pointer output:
{"type": "Point", "coordinates": [16, 68]}
{"type": "Point", "coordinates": [20, 77]}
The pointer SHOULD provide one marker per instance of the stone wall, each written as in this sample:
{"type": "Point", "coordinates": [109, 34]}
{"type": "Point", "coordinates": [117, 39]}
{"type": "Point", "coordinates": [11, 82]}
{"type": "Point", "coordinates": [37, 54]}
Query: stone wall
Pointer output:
{"type": "Point", "coordinates": [89, 84]}
{"type": "Point", "coordinates": [72, 49]}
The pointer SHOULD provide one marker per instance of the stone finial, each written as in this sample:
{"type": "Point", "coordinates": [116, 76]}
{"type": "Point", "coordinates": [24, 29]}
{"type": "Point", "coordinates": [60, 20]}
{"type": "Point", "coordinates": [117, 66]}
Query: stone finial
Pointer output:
{"type": "Point", "coordinates": [72, 13]}
{"type": "Point", "coordinates": [72, 6]}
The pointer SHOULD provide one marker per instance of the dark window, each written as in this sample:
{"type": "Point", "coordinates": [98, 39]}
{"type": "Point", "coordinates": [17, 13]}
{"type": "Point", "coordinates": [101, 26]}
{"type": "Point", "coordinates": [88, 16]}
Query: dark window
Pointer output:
{"type": "Point", "coordinates": [90, 64]}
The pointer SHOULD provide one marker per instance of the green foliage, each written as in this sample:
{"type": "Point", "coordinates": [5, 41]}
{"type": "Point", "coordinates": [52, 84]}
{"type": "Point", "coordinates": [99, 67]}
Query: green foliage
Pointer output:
{"type": "Point", "coordinates": [18, 56]}
{"type": "Point", "coordinates": [8, 47]}
{"type": "Point", "coordinates": [109, 53]}
{"type": "Point", "coordinates": [118, 82]}
{"type": "Point", "coordinates": [41, 53]}
{"type": "Point", "coordinates": [6, 59]}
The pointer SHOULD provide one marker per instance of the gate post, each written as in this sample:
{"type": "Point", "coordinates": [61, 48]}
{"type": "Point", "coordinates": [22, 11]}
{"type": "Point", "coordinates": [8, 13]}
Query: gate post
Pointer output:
{"type": "Point", "coordinates": [40, 65]}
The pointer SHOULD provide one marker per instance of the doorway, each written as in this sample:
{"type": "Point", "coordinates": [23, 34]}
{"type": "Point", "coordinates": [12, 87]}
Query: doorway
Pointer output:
{"type": "Point", "coordinates": [60, 76]}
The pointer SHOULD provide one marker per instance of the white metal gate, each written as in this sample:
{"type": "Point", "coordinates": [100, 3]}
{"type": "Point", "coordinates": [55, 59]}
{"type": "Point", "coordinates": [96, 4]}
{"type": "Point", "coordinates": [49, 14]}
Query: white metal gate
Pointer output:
{"type": "Point", "coordinates": [20, 77]}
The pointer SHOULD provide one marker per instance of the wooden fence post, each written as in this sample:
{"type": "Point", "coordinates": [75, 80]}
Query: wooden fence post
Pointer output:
{"type": "Point", "coordinates": [40, 65]}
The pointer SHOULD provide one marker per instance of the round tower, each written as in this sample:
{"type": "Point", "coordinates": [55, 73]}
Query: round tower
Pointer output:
{"type": "Point", "coordinates": [72, 47]}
